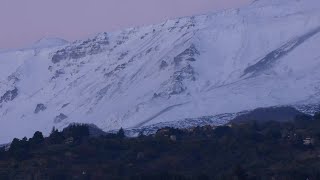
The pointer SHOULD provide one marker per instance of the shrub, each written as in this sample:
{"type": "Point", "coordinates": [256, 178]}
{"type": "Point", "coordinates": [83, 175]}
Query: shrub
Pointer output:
{"type": "Point", "coordinates": [121, 133]}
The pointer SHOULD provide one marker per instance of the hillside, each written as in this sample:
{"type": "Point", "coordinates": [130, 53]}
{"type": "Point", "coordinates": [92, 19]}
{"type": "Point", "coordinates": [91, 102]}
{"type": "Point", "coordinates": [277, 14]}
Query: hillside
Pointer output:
{"type": "Point", "coordinates": [262, 55]}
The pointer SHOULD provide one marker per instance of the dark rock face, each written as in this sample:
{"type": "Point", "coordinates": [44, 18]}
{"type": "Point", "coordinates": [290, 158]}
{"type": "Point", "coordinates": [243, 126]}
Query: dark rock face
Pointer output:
{"type": "Point", "coordinates": [262, 115]}
{"type": "Point", "coordinates": [9, 95]}
{"type": "Point", "coordinates": [186, 73]}
{"type": "Point", "coordinates": [183, 72]}
{"type": "Point", "coordinates": [40, 107]}
{"type": "Point", "coordinates": [82, 49]}
{"type": "Point", "coordinates": [163, 65]}
{"type": "Point", "coordinates": [60, 118]}
{"type": "Point", "coordinates": [123, 55]}
{"type": "Point", "coordinates": [58, 73]}
{"type": "Point", "coordinates": [148, 51]}
{"type": "Point", "coordinates": [65, 105]}
{"type": "Point", "coordinates": [120, 67]}
{"type": "Point", "coordinates": [188, 54]}
{"type": "Point", "coordinates": [177, 88]}
{"type": "Point", "coordinates": [14, 78]}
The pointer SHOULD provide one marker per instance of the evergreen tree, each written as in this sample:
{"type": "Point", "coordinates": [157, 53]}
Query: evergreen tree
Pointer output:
{"type": "Point", "coordinates": [240, 173]}
{"type": "Point", "coordinates": [120, 133]}
{"type": "Point", "coordinates": [19, 149]}
{"type": "Point", "coordinates": [36, 139]}
{"type": "Point", "coordinates": [2, 153]}
{"type": "Point", "coordinates": [317, 116]}
{"type": "Point", "coordinates": [56, 137]}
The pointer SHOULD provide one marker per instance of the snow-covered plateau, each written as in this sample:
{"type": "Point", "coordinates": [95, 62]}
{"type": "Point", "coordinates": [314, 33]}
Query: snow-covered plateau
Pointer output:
{"type": "Point", "coordinates": [213, 66]}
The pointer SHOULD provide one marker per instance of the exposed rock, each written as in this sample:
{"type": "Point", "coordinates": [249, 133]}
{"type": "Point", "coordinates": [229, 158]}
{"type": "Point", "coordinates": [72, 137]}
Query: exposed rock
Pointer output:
{"type": "Point", "coordinates": [146, 34]}
{"type": "Point", "coordinates": [187, 54]}
{"type": "Point", "coordinates": [58, 73]}
{"type": "Point", "coordinates": [102, 92]}
{"type": "Point", "coordinates": [120, 67]}
{"type": "Point", "coordinates": [163, 65]}
{"type": "Point", "coordinates": [60, 118]}
{"type": "Point", "coordinates": [186, 73]}
{"type": "Point", "coordinates": [13, 78]}
{"type": "Point", "coordinates": [65, 105]}
{"type": "Point", "coordinates": [149, 50]}
{"type": "Point", "coordinates": [9, 95]}
{"type": "Point", "coordinates": [40, 107]}
{"type": "Point", "coordinates": [156, 95]}
{"type": "Point", "coordinates": [123, 55]}
{"type": "Point", "coordinates": [191, 59]}
{"type": "Point", "coordinates": [177, 88]}
{"type": "Point", "coordinates": [82, 49]}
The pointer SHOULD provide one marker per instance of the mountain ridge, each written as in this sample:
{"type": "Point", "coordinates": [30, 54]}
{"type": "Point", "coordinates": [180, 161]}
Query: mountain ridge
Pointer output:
{"type": "Point", "coordinates": [183, 68]}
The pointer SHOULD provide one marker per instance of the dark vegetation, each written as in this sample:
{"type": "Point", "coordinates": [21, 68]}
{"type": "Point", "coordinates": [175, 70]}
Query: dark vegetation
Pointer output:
{"type": "Point", "coordinates": [240, 151]}
{"type": "Point", "coordinates": [261, 115]}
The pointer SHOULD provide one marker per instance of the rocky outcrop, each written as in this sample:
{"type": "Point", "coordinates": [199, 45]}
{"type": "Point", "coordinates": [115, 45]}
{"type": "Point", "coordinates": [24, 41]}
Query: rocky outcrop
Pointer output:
{"type": "Point", "coordinates": [58, 73]}
{"type": "Point", "coordinates": [163, 65]}
{"type": "Point", "coordinates": [40, 107]}
{"type": "Point", "coordinates": [189, 55]}
{"type": "Point", "coordinates": [60, 118]}
{"type": "Point", "coordinates": [186, 73]}
{"type": "Point", "coordinates": [82, 49]}
{"type": "Point", "coordinates": [183, 72]}
{"type": "Point", "coordinates": [9, 95]}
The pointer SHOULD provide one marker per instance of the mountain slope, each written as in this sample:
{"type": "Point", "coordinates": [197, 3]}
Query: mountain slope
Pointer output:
{"type": "Point", "coordinates": [262, 55]}
{"type": "Point", "coordinates": [49, 42]}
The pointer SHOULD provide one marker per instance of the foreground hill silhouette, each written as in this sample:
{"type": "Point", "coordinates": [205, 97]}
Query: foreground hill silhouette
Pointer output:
{"type": "Point", "coordinates": [241, 151]}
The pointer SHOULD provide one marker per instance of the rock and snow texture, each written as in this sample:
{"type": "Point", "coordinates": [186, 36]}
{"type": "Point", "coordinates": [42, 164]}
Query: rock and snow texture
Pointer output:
{"type": "Point", "coordinates": [266, 54]}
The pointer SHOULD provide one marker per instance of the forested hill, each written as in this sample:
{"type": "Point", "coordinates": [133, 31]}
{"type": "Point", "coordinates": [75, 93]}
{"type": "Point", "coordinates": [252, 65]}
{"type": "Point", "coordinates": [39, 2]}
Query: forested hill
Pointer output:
{"type": "Point", "coordinates": [241, 151]}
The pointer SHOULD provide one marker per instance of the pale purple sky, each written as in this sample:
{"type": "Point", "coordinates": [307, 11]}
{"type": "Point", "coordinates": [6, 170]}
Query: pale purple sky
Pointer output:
{"type": "Point", "coordinates": [22, 22]}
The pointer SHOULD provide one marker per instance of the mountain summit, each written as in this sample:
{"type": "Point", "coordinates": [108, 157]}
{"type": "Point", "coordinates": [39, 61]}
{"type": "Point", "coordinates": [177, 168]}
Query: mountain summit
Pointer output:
{"type": "Point", "coordinates": [266, 54]}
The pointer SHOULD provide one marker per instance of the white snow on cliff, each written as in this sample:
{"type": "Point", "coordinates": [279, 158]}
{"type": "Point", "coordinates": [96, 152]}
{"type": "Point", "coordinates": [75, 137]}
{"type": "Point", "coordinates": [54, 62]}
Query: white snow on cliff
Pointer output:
{"type": "Point", "coordinates": [266, 54]}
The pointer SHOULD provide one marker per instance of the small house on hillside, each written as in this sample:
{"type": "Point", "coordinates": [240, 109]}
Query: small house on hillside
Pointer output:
{"type": "Point", "coordinates": [308, 141]}
{"type": "Point", "coordinates": [69, 140]}
{"type": "Point", "coordinates": [170, 133]}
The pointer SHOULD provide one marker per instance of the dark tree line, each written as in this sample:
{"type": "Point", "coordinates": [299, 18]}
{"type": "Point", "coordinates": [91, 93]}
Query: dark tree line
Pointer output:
{"type": "Point", "coordinates": [240, 151]}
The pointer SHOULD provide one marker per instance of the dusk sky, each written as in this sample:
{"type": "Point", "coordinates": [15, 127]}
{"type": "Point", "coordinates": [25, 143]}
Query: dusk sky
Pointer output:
{"type": "Point", "coordinates": [22, 22]}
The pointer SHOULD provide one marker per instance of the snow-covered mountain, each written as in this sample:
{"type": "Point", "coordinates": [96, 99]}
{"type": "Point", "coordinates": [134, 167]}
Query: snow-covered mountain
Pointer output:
{"type": "Point", "coordinates": [49, 43]}
{"type": "Point", "coordinates": [265, 54]}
